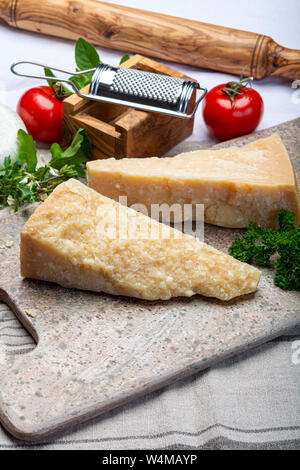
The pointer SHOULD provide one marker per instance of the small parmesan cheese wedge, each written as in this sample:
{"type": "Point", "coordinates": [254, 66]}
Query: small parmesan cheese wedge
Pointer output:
{"type": "Point", "coordinates": [79, 238]}
{"type": "Point", "coordinates": [235, 185]}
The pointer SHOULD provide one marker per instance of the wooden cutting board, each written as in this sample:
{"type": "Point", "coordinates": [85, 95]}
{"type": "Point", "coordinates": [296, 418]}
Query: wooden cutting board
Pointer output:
{"type": "Point", "coordinates": [96, 351]}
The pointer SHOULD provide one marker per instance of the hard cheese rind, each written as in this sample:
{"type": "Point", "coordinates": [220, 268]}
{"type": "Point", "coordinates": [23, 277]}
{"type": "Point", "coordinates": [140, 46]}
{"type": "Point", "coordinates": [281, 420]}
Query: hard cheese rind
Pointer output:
{"type": "Point", "coordinates": [236, 185]}
{"type": "Point", "coordinates": [79, 238]}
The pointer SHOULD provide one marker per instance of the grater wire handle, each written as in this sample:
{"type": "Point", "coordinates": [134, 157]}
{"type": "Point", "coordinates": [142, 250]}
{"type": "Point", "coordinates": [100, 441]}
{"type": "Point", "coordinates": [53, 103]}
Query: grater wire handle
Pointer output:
{"type": "Point", "coordinates": [44, 77]}
{"type": "Point", "coordinates": [145, 107]}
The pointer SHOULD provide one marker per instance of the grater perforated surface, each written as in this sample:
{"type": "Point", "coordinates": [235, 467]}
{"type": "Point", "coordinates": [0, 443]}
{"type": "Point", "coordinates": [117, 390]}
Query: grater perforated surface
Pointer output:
{"type": "Point", "coordinates": [147, 85]}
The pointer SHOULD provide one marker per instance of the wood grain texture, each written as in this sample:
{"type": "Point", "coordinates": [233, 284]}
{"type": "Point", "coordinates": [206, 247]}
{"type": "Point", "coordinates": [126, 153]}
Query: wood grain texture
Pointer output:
{"type": "Point", "coordinates": [118, 131]}
{"type": "Point", "coordinates": [166, 37]}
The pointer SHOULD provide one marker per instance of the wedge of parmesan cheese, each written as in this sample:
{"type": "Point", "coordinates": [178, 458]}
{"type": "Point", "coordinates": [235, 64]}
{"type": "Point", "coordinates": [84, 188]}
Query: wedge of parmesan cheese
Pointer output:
{"type": "Point", "coordinates": [79, 238]}
{"type": "Point", "coordinates": [235, 185]}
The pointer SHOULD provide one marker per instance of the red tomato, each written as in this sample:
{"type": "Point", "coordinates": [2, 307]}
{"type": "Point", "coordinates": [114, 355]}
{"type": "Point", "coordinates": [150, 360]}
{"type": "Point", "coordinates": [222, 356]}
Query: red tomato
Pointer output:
{"type": "Point", "coordinates": [226, 121]}
{"type": "Point", "coordinates": [42, 114]}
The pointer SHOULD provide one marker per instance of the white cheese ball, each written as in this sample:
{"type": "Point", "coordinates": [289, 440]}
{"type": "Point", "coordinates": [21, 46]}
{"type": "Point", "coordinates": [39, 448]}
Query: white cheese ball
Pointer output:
{"type": "Point", "coordinates": [10, 123]}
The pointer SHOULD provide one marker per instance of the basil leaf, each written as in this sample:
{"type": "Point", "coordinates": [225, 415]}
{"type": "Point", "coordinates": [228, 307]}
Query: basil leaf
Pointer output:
{"type": "Point", "coordinates": [80, 80]}
{"type": "Point", "coordinates": [25, 191]}
{"type": "Point", "coordinates": [79, 151]}
{"type": "Point", "coordinates": [49, 73]}
{"type": "Point", "coordinates": [56, 152]}
{"type": "Point", "coordinates": [124, 58]}
{"type": "Point", "coordinates": [86, 56]}
{"type": "Point", "coordinates": [27, 150]}
{"type": "Point", "coordinates": [56, 84]}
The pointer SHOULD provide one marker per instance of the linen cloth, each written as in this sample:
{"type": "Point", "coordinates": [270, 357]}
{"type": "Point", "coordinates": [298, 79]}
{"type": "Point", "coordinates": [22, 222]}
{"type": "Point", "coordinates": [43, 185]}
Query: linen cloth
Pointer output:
{"type": "Point", "coordinates": [251, 401]}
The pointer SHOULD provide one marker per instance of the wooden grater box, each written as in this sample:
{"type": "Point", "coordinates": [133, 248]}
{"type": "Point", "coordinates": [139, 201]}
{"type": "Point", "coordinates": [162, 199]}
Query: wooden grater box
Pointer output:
{"type": "Point", "coordinates": [118, 131]}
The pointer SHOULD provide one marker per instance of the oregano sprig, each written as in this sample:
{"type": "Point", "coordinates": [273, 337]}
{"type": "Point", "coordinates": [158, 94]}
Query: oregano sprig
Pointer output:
{"type": "Point", "coordinates": [22, 182]}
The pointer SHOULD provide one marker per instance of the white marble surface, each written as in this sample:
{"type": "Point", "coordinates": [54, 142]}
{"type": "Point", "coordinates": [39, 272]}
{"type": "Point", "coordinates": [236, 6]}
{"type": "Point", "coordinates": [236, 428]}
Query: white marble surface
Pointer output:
{"type": "Point", "coordinates": [276, 18]}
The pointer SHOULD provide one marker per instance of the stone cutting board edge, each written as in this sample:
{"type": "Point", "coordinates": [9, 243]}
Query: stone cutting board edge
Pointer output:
{"type": "Point", "coordinates": [96, 352]}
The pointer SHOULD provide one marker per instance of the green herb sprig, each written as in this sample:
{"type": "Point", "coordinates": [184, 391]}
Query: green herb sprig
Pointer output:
{"type": "Point", "coordinates": [22, 181]}
{"type": "Point", "coordinates": [259, 244]}
{"type": "Point", "coordinates": [86, 57]}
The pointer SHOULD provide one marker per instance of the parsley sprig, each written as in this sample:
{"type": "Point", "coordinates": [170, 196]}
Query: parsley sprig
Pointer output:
{"type": "Point", "coordinates": [21, 181]}
{"type": "Point", "coordinates": [259, 244]}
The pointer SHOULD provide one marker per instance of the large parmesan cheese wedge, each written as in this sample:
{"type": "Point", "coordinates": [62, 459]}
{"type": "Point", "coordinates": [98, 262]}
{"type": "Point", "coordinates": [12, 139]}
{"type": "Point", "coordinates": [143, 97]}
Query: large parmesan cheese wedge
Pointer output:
{"type": "Point", "coordinates": [79, 238]}
{"type": "Point", "coordinates": [235, 185]}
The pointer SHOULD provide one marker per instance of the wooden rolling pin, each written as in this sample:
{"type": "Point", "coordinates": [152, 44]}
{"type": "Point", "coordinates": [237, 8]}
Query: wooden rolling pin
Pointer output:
{"type": "Point", "coordinates": [167, 37]}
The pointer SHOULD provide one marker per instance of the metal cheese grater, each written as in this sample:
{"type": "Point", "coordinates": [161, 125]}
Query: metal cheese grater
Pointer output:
{"type": "Point", "coordinates": [133, 88]}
